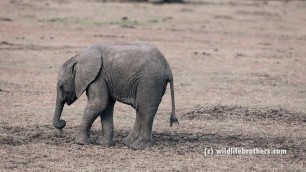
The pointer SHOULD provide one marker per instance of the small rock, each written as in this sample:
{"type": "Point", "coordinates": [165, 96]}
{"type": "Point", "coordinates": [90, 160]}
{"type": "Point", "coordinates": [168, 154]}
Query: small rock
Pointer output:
{"type": "Point", "coordinates": [240, 55]}
{"type": "Point", "coordinates": [204, 53]}
{"type": "Point", "coordinates": [124, 18]}
{"type": "Point", "coordinates": [5, 19]}
{"type": "Point", "coordinates": [153, 21]}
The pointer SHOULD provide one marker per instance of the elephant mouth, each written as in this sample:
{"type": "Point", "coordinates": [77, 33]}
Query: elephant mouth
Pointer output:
{"type": "Point", "coordinates": [69, 99]}
{"type": "Point", "coordinates": [69, 103]}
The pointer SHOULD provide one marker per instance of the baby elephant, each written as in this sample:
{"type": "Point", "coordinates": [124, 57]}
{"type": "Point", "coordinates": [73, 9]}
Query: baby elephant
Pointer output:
{"type": "Point", "coordinates": [132, 73]}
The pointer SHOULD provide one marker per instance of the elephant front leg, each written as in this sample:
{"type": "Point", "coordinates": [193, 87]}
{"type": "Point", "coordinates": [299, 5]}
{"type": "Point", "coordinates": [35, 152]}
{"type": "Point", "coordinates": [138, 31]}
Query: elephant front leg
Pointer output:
{"type": "Point", "coordinates": [107, 124]}
{"type": "Point", "coordinates": [83, 137]}
{"type": "Point", "coordinates": [98, 102]}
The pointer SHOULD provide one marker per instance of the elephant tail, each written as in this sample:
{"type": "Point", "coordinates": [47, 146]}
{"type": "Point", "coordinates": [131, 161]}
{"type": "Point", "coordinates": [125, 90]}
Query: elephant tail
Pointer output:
{"type": "Point", "coordinates": [173, 118]}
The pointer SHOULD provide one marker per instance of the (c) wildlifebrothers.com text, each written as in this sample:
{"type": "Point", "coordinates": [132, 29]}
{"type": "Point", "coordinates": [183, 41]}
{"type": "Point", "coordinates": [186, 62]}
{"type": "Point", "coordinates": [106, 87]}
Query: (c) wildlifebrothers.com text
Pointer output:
{"type": "Point", "coordinates": [243, 151]}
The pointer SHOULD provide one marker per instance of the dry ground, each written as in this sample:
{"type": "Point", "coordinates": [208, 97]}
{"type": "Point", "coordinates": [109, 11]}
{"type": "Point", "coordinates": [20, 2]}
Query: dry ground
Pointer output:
{"type": "Point", "coordinates": [240, 81]}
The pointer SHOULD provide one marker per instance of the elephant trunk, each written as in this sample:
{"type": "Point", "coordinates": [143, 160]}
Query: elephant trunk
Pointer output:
{"type": "Point", "coordinates": [57, 122]}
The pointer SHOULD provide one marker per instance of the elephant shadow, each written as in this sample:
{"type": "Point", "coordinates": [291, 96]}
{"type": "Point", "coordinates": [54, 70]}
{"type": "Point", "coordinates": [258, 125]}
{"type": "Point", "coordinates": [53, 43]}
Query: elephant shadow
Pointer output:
{"type": "Point", "coordinates": [183, 142]}
{"type": "Point", "coordinates": [179, 142]}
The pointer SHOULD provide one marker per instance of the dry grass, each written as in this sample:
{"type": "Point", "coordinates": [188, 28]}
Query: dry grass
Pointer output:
{"type": "Point", "coordinates": [239, 69]}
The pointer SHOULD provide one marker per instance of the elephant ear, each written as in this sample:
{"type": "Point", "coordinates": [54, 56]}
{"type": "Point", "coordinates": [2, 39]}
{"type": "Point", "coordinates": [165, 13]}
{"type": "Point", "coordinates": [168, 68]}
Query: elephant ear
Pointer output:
{"type": "Point", "coordinates": [87, 68]}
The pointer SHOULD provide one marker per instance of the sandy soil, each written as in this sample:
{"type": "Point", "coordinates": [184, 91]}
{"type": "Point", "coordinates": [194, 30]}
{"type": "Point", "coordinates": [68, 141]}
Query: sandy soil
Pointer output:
{"type": "Point", "coordinates": [240, 81]}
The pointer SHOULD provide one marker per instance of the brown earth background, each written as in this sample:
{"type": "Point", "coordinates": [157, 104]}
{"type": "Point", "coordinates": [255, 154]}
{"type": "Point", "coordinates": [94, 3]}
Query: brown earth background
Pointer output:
{"type": "Point", "coordinates": [239, 71]}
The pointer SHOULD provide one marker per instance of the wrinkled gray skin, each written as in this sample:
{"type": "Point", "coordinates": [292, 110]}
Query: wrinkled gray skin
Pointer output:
{"type": "Point", "coordinates": [134, 73]}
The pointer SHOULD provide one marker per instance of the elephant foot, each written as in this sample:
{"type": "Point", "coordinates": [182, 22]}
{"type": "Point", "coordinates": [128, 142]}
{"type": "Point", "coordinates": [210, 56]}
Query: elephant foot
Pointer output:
{"type": "Point", "coordinates": [141, 143]}
{"type": "Point", "coordinates": [128, 141]}
{"type": "Point", "coordinates": [105, 142]}
{"type": "Point", "coordinates": [83, 140]}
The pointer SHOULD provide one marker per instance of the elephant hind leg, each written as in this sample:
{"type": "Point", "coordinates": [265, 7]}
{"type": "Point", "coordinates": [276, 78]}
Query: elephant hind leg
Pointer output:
{"type": "Point", "coordinates": [144, 138]}
{"type": "Point", "coordinates": [149, 99]}
{"type": "Point", "coordinates": [133, 135]}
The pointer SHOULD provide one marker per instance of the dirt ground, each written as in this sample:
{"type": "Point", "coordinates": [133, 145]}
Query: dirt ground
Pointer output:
{"type": "Point", "coordinates": [239, 73]}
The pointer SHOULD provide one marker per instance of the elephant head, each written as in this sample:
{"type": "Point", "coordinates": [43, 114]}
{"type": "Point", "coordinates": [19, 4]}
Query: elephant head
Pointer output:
{"type": "Point", "coordinates": [73, 79]}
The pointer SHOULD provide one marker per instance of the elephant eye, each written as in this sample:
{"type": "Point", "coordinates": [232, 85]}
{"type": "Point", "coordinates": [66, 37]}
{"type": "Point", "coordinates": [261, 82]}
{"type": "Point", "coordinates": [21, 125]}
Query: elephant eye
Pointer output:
{"type": "Point", "coordinates": [60, 85]}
